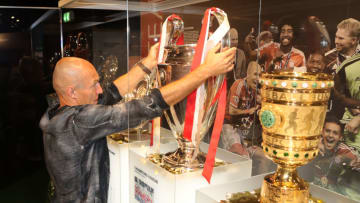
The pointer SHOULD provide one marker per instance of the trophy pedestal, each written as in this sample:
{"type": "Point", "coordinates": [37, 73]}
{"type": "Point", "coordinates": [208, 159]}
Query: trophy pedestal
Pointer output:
{"type": "Point", "coordinates": [149, 182]}
{"type": "Point", "coordinates": [218, 193]}
{"type": "Point", "coordinates": [119, 173]}
{"type": "Point", "coordinates": [118, 146]}
{"type": "Point", "coordinates": [284, 186]}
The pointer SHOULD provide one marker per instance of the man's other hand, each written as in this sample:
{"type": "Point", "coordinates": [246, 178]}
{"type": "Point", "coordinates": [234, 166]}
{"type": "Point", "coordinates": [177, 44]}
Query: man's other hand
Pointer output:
{"type": "Point", "coordinates": [150, 60]}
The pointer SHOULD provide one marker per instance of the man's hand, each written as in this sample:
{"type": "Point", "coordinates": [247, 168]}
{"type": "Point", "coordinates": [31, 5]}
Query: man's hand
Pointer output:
{"type": "Point", "coordinates": [258, 98]}
{"type": "Point", "coordinates": [253, 109]}
{"type": "Point", "coordinates": [353, 125]}
{"type": "Point", "coordinates": [250, 38]}
{"type": "Point", "coordinates": [215, 64]}
{"type": "Point", "coordinates": [218, 63]}
{"type": "Point", "coordinates": [150, 60]}
{"type": "Point", "coordinates": [238, 149]}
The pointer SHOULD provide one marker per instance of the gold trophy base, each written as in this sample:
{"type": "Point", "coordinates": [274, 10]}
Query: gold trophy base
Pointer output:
{"type": "Point", "coordinates": [254, 197]}
{"type": "Point", "coordinates": [284, 186]}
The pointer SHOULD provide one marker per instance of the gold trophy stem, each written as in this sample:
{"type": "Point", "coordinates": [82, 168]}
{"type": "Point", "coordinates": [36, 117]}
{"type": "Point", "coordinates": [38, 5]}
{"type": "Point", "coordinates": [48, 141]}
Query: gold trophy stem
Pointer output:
{"type": "Point", "coordinates": [284, 186]}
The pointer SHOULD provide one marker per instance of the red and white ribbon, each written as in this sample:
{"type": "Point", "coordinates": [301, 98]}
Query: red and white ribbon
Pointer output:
{"type": "Point", "coordinates": [164, 40]}
{"type": "Point", "coordinates": [195, 100]}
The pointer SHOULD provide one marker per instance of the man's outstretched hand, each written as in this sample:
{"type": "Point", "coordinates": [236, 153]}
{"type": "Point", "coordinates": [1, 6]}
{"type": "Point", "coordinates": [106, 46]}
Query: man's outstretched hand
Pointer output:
{"type": "Point", "coordinates": [219, 62]}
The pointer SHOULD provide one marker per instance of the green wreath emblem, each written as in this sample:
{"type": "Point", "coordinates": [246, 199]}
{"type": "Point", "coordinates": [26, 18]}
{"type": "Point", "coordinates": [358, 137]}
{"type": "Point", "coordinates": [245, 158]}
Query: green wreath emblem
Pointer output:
{"type": "Point", "coordinates": [267, 118]}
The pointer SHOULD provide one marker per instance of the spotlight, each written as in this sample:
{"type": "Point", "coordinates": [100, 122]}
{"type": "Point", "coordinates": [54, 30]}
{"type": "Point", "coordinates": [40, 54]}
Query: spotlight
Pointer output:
{"type": "Point", "coordinates": [12, 17]}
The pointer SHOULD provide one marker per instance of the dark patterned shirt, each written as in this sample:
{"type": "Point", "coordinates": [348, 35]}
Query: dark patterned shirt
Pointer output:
{"type": "Point", "coordinates": [75, 146]}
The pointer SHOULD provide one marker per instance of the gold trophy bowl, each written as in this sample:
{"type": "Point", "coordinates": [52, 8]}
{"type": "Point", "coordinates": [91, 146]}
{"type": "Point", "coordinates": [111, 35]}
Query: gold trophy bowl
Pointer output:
{"type": "Point", "coordinates": [292, 116]}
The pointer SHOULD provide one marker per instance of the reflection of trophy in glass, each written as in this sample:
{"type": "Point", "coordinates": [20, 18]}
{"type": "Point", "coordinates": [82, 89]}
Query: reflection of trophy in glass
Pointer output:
{"type": "Point", "coordinates": [292, 115]}
{"type": "Point", "coordinates": [177, 63]}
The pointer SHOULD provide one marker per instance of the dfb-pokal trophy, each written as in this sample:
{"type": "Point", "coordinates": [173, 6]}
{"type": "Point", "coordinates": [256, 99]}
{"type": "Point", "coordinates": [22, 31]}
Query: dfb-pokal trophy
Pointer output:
{"type": "Point", "coordinates": [292, 116]}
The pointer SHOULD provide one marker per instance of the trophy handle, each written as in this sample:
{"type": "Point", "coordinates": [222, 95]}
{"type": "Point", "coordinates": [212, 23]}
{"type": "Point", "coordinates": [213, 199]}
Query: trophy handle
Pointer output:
{"type": "Point", "coordinates": [175, 29]}
{"type": "Point", "coordinates": [221, 17]}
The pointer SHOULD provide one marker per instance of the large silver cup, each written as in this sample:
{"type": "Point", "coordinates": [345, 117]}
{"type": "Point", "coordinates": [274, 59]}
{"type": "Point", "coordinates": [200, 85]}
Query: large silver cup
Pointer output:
{"type": "Point", "coordinates": [187, 156]}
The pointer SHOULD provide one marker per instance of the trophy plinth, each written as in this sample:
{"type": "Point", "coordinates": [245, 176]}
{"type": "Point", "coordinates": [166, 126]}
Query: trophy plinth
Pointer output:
{"type": "Point", "coordinates": [292, 115]}
{"type": "Point", "coordinates": [185, 156]}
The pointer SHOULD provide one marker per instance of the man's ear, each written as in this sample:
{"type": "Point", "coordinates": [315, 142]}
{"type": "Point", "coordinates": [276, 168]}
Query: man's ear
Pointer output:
{"type": "Point", "coordinates": [355, 41]}
{"type": "Point", "coordinates": [71, 92]}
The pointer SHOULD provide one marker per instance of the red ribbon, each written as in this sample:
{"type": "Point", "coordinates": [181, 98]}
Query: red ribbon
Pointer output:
{"type": "Point", "coordinates": [190, 103]}
{"type": "Point", "coordinates": [219, 119]}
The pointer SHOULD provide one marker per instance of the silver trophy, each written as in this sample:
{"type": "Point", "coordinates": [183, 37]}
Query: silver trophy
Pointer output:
{"type": "Point", "coordinates": [177, 63]}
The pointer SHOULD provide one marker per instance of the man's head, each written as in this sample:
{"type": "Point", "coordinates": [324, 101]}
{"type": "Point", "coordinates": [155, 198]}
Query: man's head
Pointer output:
{"type": "Point", "coordinates": [332, 132]}
{"type": "Point", "coordinates": [315, 63]}
{"type": "Point", "coordinates": [347, 36]}
{"type": "Point", "coordinates": [76, 82]}
{"type": "Point", "coordinates": [253, 72]}
{"type": "Point", "coordinates": [234, 37]}
{"type": "Point", "coordinates": [286, 34]}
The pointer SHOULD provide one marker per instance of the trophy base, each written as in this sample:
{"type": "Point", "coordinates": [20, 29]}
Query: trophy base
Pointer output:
{"type": "Point", "coordinates": [285, 186]}
{"type": "Point", "coordinates": [254, 197]}
{"type": "Point", "coordinates": [180, 167]}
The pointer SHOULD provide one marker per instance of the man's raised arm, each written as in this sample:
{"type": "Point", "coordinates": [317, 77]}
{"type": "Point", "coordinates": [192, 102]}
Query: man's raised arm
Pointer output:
{"type": "Point", "coordinates": [214, 64]}
{"type": "Point", "coordinates": [126, 83]}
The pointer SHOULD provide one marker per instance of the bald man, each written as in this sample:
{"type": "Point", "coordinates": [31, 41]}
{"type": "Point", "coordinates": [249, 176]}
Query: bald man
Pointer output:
{"type": "Point", "coordinates": [242, 106]}
{"type": "Point", "coordinates": [241, 132]}
{"type": "Point", "coordinates": [76, 152]}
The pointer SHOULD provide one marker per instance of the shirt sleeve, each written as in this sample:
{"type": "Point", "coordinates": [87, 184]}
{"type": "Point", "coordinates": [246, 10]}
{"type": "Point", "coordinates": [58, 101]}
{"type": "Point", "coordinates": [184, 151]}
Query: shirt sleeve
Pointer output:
{"type": "Point", "coordinates": [110, 95]}
{"type": "Point", "coordinates": [93, 122]}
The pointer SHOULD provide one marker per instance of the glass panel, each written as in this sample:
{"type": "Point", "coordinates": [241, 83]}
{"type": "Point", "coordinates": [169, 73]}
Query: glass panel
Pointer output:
{"type": "Point", "coordinates": [272, 36]}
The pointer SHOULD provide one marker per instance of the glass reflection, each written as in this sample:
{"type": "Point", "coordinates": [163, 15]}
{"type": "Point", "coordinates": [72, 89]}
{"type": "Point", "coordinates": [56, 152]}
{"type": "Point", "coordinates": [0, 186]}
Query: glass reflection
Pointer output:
{"type": "Point", "coordinates": [306, 36]}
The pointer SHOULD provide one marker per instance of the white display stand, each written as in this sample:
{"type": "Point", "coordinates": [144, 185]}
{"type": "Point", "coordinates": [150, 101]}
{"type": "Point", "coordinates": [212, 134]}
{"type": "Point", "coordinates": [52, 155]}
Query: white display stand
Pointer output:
{"type": "Point", "coordinates": [151, 183]}
{"type": "Point", "coordinates": [119, 172]}
{"type": "Point", "coordinates": [119, 168]}
{"type": "Point", "coordinates": [216, 193]}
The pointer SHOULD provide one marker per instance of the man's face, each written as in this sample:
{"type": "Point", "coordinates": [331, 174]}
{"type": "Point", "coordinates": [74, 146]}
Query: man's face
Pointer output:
{"type": "Point", "coordinates": [344, 42]}
{"type": "Point", "coordinates": [253, 75]}
{"type": "Point", "coordinates": [315, 63]}
{"type": "Point", "coordinates": [234, 37]}
{"type": "Point", "coordinates": [331, 135]}
{"type": "Point", "coordinates": [88, 89]}
{"type": "Point", "coordinates": [286, 35]}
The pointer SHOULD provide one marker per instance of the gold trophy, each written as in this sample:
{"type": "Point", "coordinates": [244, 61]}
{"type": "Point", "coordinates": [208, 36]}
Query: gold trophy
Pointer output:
{"type": "Point", "coordinates": [292, 115]}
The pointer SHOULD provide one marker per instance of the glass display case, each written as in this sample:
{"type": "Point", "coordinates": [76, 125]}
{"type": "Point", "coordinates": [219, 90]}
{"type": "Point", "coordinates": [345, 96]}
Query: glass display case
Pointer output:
{"type": "Point", "coordinates": [270, 36]}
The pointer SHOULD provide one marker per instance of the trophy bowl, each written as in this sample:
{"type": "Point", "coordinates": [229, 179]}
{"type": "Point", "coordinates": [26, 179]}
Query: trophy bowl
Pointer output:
{"type": "Point", "coordinates": [292, 115]}
{"type": "Point", "coordinates": [187, 156]}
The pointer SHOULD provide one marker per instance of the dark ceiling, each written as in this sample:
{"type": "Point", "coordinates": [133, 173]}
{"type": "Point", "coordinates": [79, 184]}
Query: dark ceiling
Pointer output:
{"type": "Point", "coordinates": [20, 19]}
{"type": "Point", "coordinates": [35, 3]}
